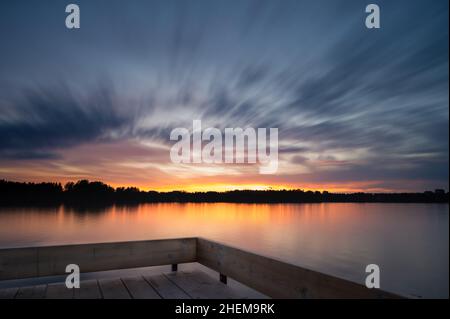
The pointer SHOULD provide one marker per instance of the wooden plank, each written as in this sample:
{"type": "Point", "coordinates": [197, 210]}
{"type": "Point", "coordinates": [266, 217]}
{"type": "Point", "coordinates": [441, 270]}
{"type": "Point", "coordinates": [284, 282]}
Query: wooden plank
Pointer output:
{"type": "Point", "coordinates": [59, 291]}
{"type": "Point", "coordinates": [18, 263]}
{"type": "Point", "coordinates": [50, 261]}
{"type": "Point", "coordinates": [25, 292]}
{"type": "Point", "coordinates": [8, 293]}
{"type": "Point", "coordinates": [201, 286]}
{"type": "Point", "coordinates": [166, 288]}
{"type": "Point", "coordinates": [89, 289]}
{"type": "Point", "coordinates": [278, 279]}
{"type": "Point", "coordinates": [139, 288]}
{"type": "Point", "coordinates": [32, 292]}
{"type": "Point", "coordinates": [113, 289]}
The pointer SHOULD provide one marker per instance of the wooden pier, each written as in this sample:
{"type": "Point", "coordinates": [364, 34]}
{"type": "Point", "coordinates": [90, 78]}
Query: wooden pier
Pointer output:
{"type": "Point", "coordinates": [271, 277]}
{"type": "Point", "coordinates": [176, 285]}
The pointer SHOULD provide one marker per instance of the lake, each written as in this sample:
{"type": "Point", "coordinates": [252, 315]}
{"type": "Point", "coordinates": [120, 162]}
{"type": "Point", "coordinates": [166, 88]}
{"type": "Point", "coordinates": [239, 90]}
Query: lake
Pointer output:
{"type": "Point", "coordinates": [409, 242]}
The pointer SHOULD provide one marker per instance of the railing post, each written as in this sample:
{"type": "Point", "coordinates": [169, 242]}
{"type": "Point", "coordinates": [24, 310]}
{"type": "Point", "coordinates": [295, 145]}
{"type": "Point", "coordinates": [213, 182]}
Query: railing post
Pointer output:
{"type": "Point", "coordinates": [223, 279]}
{"type": "Point", "coordinates": [174, 267]}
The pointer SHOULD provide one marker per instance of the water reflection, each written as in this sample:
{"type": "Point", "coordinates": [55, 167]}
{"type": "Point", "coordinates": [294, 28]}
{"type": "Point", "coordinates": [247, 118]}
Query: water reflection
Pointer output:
{"type": "Point", "coordinates": [408, 241]}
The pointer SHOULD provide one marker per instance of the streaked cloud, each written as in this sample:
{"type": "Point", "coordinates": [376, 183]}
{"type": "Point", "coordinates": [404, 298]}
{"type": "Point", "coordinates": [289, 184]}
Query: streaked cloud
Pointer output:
{"type": "Point", "coordinates": [353, 106]}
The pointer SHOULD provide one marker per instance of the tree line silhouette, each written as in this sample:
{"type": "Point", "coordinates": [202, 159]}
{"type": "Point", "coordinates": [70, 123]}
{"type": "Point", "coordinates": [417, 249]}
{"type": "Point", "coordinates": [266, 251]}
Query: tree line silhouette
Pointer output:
{"type": "Point", "coordinates": [86, 192]}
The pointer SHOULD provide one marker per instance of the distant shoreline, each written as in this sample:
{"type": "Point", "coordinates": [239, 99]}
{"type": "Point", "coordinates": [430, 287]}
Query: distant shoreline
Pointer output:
{"type": "Point", "coordinates": [85, 192]}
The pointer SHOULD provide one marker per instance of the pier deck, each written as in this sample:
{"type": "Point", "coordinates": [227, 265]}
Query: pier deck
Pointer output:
{"type": "Point", "coordinates": [194, 284]}
{"type": "Point", "coordinates": [268, 276]}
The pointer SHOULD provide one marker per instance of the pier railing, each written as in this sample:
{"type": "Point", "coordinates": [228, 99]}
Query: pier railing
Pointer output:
{"type": "Point", "coordinates": [274, 278]}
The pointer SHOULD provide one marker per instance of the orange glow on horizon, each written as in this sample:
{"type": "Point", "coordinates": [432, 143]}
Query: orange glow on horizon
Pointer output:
{"type": "Point", "coordinates": [198, 185]}
{"type": "Point", "coordinates": [218, 187]}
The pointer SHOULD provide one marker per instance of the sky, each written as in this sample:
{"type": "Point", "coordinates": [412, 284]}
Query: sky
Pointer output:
{"type": "Point", "coordinates": [356, 109]}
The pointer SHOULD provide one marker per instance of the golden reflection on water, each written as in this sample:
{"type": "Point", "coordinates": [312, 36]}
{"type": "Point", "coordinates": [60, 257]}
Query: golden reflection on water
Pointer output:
{"type": "Point", "coordinates": [408, 241]}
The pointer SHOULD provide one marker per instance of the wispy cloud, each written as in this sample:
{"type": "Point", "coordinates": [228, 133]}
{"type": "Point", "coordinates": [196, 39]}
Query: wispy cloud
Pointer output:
{"type": "Point", "coordinates": [351, 104]}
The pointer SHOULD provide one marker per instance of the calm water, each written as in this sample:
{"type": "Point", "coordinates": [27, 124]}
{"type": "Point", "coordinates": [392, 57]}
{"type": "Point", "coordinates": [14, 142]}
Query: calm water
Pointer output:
{"type": "Point", "coordinates": [410, 242]}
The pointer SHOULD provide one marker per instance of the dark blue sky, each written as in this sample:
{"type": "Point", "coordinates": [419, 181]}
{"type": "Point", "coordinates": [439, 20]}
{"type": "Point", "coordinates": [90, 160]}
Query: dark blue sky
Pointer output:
{"type": "Point", "coordinates": [357, 109]}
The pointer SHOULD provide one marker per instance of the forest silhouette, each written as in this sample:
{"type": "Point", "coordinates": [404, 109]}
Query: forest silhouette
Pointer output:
{"type": "Point", "coordinates": [86, 192]}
